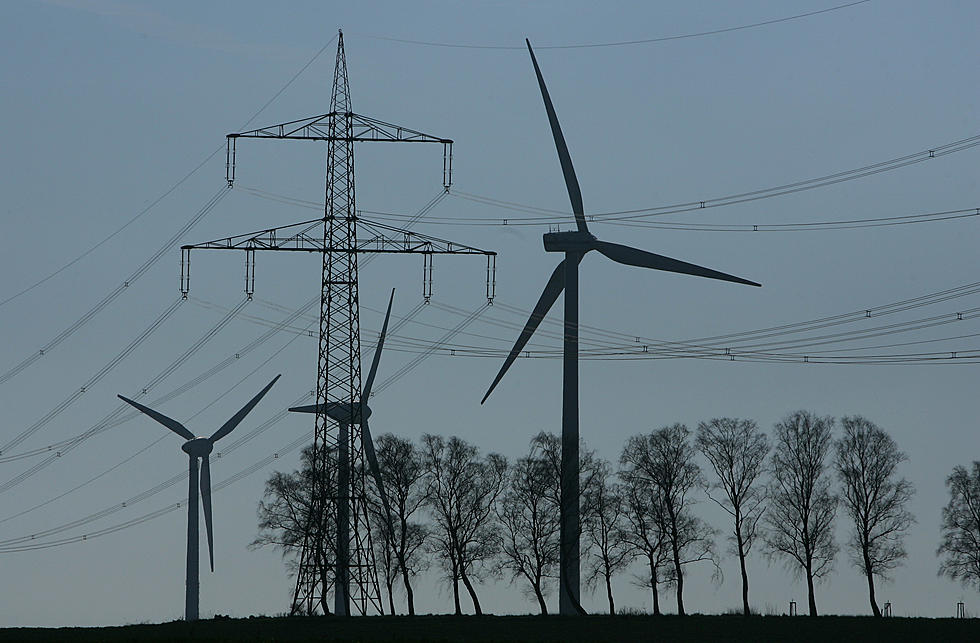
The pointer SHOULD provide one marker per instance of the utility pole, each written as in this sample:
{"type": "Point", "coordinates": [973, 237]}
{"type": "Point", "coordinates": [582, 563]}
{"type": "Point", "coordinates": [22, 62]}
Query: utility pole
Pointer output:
{"type": "Point", "coordinates": [351, 569]}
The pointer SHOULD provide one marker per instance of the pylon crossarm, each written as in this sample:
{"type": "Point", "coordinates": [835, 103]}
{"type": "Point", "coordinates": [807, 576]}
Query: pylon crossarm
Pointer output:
{"type": "Point", "coordinates": [363, 128]}
{"type": "Point", "coordinates": [381, 233]}
{"type": "Point", "coordinates": [359, 129]}
{"type": "Point", "coordinates": [375, 238]}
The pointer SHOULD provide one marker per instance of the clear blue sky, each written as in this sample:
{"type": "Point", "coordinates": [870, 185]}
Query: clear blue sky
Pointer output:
{"type": "Point", "coordinates": [107, 104]}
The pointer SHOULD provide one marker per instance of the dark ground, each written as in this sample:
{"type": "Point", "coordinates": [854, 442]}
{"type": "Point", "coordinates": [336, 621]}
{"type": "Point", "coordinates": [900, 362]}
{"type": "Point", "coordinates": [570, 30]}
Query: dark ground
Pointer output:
{"type": "Point", "coordinates": [825, 629]}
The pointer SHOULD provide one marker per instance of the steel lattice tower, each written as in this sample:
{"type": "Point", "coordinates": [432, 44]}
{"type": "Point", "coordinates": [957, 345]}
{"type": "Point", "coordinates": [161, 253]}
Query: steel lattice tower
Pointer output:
{"type": "Point", "coordinates": [339, 360]}
{"type": "Point", "coordinates": [345, 563]}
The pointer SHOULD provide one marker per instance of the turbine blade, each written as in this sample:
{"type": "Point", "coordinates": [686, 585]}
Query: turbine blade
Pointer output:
{"type": "Point", "coordinates": [571, 181]}
{"type": "Point", "coordinates": [551, 291]}
{"type": "Point", "coordinates": [642, 258]}
{"type": "Point", "coordinates": [236, 419]}
{"type": "Point", "coordinates": [377, 353]}
{"type": "Point", "coordinates": [372, 459]}
{"type": "Point", "coordinates": [310, 408]}
{"type": "Point", "coordinates": [170, 423]}
{"type": "Point", "coordinates": [206, 502]}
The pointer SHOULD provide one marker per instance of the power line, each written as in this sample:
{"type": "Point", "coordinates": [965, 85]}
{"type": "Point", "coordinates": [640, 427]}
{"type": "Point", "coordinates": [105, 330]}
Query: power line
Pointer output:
{"type": "Point", "coordinates": [844, 224]}
{"type": "Point", "coordinates": [94, 379]}
{"type": "Point", "coordinates": [599, 342]}
{"type": "Point", "coordinates": [16, 544]}
{"type": "Point", "coordinates": [139, 215]}
{"type": "Point", "coordinates": [118, 290]}
{"type": "Point", "coordinates": [732, 199]}
{"type": "Point", "coordinates": [546, 216]}
{"type": "Point", "coordinates": [970, 356]}
{"type": "Point", "coordinates": [28, 545]}
{"type": "Point", "coordinates": [111, 418]}
{"type": "Point", "coordinates": [621, 43]}
{"type": "Point", "coordinates": [183, 388]}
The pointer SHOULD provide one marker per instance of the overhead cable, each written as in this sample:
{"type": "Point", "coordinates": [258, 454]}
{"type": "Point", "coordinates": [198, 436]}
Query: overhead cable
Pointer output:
{"type": "Point", "coordinates": [547, 216]}
{"type": "Point", "coordinates": [118, 290]}
{"type": "Point", "coordinates": [621, 43]}
{"type": "Point", "coordinates": [93, 380]}
{"type": "Point", "coordinates": [265, 336]}
{"type": "Point", "coordinates": [28, 542]}
{"type": "Point", "coordinates": [110, 419]}
{"type": "Point", "coordinates": [167, 192]}
{"type": "Point", "coordinates": [183, 388]}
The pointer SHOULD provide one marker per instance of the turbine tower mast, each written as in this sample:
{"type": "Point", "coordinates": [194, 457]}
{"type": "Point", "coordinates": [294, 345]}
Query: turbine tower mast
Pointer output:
{"type": "Point", "coordinates": [198, 448]}
{"type": "Point", "coordinates": [352, 568]}
{"type": "Point", "coordinates": [575, 245]}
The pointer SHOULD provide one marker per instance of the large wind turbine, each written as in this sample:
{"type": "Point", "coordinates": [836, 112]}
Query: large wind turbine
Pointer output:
{"type": "Point", "coordinates": [345, 416]}
{"type": "Point", "coordinates": [198, 447]}
{"type": "Point", "coordinates": [565, 277]}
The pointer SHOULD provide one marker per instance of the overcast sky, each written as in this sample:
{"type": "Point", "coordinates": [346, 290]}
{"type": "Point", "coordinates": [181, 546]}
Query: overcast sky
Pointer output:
{"type": "Point", "coordinates": [107, 105]}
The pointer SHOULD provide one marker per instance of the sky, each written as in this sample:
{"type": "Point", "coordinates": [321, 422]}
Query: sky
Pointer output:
{"type": "Point", "coordinates": [110, 105]}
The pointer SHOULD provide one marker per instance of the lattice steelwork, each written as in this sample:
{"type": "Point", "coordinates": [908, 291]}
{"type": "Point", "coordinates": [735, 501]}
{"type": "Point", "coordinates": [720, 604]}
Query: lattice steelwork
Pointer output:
{"type": "Point", "coordinates": [346, 566]}
{"type": "Point", "coordinates": [339, 360]}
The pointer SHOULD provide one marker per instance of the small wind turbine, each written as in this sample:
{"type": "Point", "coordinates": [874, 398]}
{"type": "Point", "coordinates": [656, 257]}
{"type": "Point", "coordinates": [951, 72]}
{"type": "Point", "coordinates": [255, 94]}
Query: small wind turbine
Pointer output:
{"type": "Point", "coordinates": [565, 277]}
{"type": "Point", "coordinates": [346, 414]}
{"type": "Point", "coordinates": [197, 447]}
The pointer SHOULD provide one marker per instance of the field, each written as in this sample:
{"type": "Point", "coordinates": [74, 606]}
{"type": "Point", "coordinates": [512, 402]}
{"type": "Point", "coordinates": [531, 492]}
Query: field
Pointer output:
{"type": "Point", "coordinates": [834, 629]}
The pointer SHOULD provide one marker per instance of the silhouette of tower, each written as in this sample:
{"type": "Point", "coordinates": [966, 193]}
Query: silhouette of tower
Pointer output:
{"type": "Point", "coordinates": [350, 572]}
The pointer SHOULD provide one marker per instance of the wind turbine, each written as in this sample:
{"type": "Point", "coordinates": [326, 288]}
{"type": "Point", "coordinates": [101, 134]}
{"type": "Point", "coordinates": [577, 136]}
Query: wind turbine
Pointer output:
{"type": "Point", "coordinates": [346, 414]}
{"type": "Point", "coordinates": [565, 278]}
{"type": "Point", "coordinates": [198, 447]}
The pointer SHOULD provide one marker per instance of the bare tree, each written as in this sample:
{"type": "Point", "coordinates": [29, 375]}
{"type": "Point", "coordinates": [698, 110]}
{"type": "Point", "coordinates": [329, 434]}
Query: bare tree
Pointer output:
{"type": "Point", "coordinates": [461, 490]}
{"type": "Point", "coordinates": [665, 458]}
{"type": "Point", "coordinates": [801, 506]}
{"type": "Point", "coordinates": [641, 533]}
{"type": "Point", "coordinates": [548, 445]}
{"type": "Point", "coordinates": [737, 452]}
{"type": "Point", "coordinates": [874, 498]}
{"type": "Point", "coordinates": [402, 472]}
{"type": "Point", "coordinates": [385, 560]}
{"type": "Point", "coordinates": [530, 522]}
{"type": "Point", "coordinates": [609, 553]}
{"type": "Point", "coordinates": [960, 545]}
{"type": "Point", "coordinates": [286, 518]}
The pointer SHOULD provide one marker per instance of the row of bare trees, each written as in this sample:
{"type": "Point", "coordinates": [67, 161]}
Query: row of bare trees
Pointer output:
{"type": "Point", "coordinates": [474, 517]}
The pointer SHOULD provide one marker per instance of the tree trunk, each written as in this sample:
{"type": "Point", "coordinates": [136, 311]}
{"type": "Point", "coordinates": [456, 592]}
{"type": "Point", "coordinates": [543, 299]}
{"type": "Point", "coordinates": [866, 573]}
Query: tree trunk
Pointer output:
{"type": "Point", "coordinates": [324, 586]}
{"type": "Point", "coordinates": [458, 610]}
{"type": "Point", "coordinates": [745, 576]}
{"type": "Point", "coordinates": [403, 545]}
{"type": "Point", "coordinates": [612, 606]}
{"type": "Point", "coordinates": [540, 597]}
{"type": "Point", "coordinates": [809, 588]}
{"type": "Point", "coordinates": [680, 582]}
{"type": "Point", "coordinates": [391, 595]}
{"type": "Point", "coordinates": [408, 591]}
{"type": "Point", "coordinates": [871, 582]}
{"type": "Point", "coordinates": [653, 586]}
{"type": "Point", "coordinates": [472, 592]}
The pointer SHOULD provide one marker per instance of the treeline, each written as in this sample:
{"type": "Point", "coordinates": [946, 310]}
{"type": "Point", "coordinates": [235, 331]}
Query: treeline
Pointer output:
{"type": "Point", "coordinates": [475, 517]}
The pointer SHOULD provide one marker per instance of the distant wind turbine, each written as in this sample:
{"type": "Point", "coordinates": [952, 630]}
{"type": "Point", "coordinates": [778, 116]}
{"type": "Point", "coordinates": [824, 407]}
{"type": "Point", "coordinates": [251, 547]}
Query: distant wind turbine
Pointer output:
{"type": "Point", "coordinates": [346, 414]}
{"type": "Point", "coordinates": [565, 277]}
{"type": "Point", "coordinates": [197, 447]}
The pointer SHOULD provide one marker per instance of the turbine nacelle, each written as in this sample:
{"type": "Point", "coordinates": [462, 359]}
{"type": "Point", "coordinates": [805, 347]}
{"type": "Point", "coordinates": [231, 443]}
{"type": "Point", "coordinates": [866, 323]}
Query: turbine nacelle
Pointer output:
{"type": "Point", "coordinates": [198, 447]}
{"type": "Point", "coordinates": [341, 412]}
{"type": "Point", "coordinates": [572, 241]}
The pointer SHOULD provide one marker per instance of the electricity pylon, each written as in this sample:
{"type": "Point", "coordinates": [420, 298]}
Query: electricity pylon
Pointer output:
{"type": "Point", "coordinates": [339, 358]}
